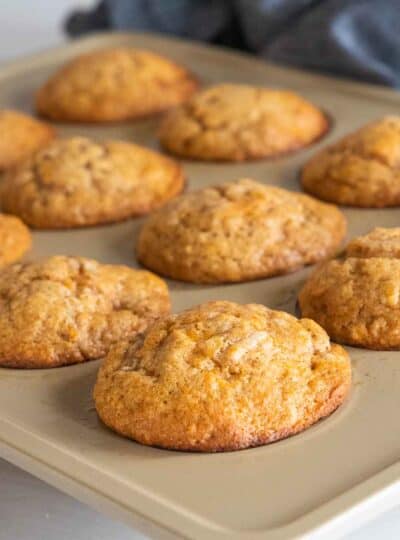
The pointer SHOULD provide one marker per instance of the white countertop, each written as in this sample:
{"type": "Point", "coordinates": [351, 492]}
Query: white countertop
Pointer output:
{"type": "Point", "coordinates": [29, 508]}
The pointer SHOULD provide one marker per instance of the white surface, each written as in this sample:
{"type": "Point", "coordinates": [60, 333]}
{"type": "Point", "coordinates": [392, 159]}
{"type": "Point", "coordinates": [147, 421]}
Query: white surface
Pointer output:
{"type": "Point", "coordinates": [30, 25]}
{"type": "Point", "coordinates": [29, 509]}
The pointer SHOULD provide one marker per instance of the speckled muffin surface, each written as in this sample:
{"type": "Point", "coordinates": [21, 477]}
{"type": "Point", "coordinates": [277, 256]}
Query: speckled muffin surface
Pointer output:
{"type": "Point", "coordinates": [237, 123]}
{"type": "Point", "coordinates": [221, 376]}
{"type": "Point", "coordinates": [15, 239]}
{"type": "Point", "coordinates": [362, 169]}
{"type": "Point", "coordinates": [20, 137]}
{"type": "Point", "coordinates": [64, 310]}
{"type": "Point", "coordinates": [238, 231]}
{"type": "Point", "coordinates": [380, 242]}
{"type": "Point", "coordinates": [77, 182]}
{"type": "Point", "coordinates": [357, 299]}
{"type": "Point", "coordinates": [112, 85]}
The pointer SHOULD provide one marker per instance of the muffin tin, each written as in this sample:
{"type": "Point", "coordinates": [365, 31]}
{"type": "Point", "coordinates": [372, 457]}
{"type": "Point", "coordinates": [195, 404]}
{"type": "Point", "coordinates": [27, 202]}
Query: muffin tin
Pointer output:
{"type": "Point", "coordinates": [327, 480]}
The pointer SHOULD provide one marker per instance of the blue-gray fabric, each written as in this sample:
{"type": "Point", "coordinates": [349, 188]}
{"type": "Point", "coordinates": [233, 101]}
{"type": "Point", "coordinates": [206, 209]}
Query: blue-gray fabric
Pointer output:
{"type": "Point", "coordinates": [354, 38]}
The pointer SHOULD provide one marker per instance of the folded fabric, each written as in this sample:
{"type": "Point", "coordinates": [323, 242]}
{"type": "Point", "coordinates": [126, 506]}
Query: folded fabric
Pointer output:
{"type": "Point", "coordinates": [353, 38]}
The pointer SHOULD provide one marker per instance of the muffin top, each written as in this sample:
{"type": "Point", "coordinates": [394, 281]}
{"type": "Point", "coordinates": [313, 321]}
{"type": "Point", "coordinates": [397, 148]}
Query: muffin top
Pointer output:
{"type": "Point", "coordinates": [76, 182]}
{"type": "Point", "coordinates": [361, 169]}
{"type": "Point", "coordinates": [221, 376]}
{"type": "Point", "coordinates": [380, 242]}
{"type": "Point", "coordinates": [15, 239]}
{"type": "Point", "coordinates": [114, 84]}
{"type": "Point", "coordinates": [238, 231]}
{"type": "Point", "coordinates": [232, 122]}
{"type": "Point", "coordinates": [63, 310]}
{"type": "Point", "coordinates": [20, 137]}
{"type": "Point", "coordinates": [356, 299]}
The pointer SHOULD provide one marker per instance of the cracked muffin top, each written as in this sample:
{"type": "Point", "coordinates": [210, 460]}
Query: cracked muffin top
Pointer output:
{"type": "Point", "coordinates": [63, 310]}
{"type": "Point", "coordinates": [15, 239]}
{"type": "Point", "coordinates": [77, 182]}
{"type": "Point", "coordinates": [221, 376]}
{"type": "Point", "coordinates": [232, 122]}
{"type": "Point", "coordinates": [357, 299]}
{"type": "Point", "coordinates": [238, 231]}
{"type": "Point", "coordinates": [20, 137]}
{"type": "Point", "coordinates": [362, 169]}
{"type": "Point", "coordinates": [114, 84]}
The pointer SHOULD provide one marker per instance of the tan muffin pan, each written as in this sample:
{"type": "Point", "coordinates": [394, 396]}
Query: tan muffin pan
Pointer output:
{"type": "Point", "coordinates": [327, 480]}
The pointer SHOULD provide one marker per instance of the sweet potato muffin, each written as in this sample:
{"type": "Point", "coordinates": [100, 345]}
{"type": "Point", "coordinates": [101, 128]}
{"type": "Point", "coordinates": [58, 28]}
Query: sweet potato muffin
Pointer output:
{"type": "Point", "coordinates": [15, 239]}
{"type": "Point", "coordinates": [238, 231]}
{"type": "Point", "coordinates": [232, 122]}
{"type": "Point", "coordinates": [78, 182]}
{"type": "Point", "coordinates": [380, 242]}
{"type": "Point", "coordinates": [65, 310]}
{"type": "Point", "coordinates": [20, 137]}
{"type": "Point", "coordinates": [114, 84]}
{"type": "Point", "coordinates": [356, 300]}
{"type": "Point", "coordinates": [362, 169]}
{"type": "Point", "coordinates": [221, 376]}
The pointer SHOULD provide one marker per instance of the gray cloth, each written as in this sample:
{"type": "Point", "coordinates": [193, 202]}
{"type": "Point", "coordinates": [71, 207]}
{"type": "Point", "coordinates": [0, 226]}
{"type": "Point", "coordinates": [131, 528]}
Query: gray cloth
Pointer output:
{"type": "Point", "coordinates": [353, 38]}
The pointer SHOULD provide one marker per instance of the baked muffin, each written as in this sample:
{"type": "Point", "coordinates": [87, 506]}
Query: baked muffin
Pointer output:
{"type": "Point", "coordinates": [238, 231]}
{"type": "Point", "coordinates": [221, 376]}
{"type": "Point", "coordinates": [380, 242]}
{"type": "Point", "coordinates": [20, 137]}
{"type": "Point", "coordinates": [114, 84]}
{"type": "Point", "coordinates": [65, 310]}
{"type": "Point", "coordinates": [360, 169]}
{"type": "Point", "coordinates": [356, 299]}
{"type": "Point", "coordinates": [232, 122]}
{"type": "Point", "coordinates": [78, 182]}
{"type": "Point", "coordinates": [15, 239]}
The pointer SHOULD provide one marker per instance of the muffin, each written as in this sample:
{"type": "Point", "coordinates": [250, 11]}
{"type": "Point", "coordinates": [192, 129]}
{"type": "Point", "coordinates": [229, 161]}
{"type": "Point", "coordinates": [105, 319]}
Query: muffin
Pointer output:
{"type": "Point", "coordinates": [232, 122]}
{"type": "Point", "coordinates": [359, 170]}
{"type": "Point", "coordinates": [238, 231]}
{"type": "Point", "coordinates": [112, 85]}
{"type": "Point", "coordinates": [65, 310]}
{"type": "Point", "coordinates": [380, 242]}
{"type": "Point", "coordinates": [356, 299]}
{"type": "Point", "coordinates": [20, 137]}
{"type": "Point", "coordinates": [78, 182]}
{"type": "Point", "coordinates": [15, 239]}
{"type": "Point", "coordinates": [221, 376]}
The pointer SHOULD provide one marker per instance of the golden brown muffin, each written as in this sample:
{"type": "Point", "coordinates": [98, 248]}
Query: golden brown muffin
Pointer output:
{"type": "Point", "coordinates": [78, 182]}
{"type": "Point", "coordinates": [64, 310]}
{"type": "Point", "coordinates": [361, 169]}
{"type": "Point", "coordinates": [20, 137]}
{"type": "Point", "coordinates": [357, 300]}
{"type": "Point", "coordinates": [238, 231]}
{"type": "Point", "coordinates": [221, 376]}
{"type": "Point", "coordinates": [232, 122]}
{"type": "Point", "coordinates": [379, 242]}
{"type": "Point", "coordinates": [15, 239]}
{"type": "Point", "coordinates": [114, 84]}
